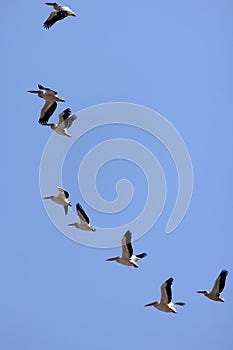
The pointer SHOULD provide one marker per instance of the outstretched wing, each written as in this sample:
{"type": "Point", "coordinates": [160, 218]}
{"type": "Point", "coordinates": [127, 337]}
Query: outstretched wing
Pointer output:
{"type": "Point", "coordinates": [166, 291]}
{"type": "Point", "coordinates": [66, 209]}
{"type": "Point", "coordinates": [62, 193]}
{"type": "Point", "coordinates": [220, 283]}
{"type": "Point", "coordinates": [81, 213]}
{"type": "Point", "coordinates": [64, 115]}
{"type": "Point", "coordinates": [68, 122]}
{"type": "Point", "coordinates": [53, 18]}
{"type": "Point", "coordinates": [47, 111]}
{"type": "Point", "coordinates": [127, 249]}
{"type": "Point", "coordinates": [41, 87]}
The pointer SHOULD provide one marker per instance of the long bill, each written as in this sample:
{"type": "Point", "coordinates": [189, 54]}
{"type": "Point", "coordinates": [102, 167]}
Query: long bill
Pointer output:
{"type": "Point", "coordinates": [112, 259]}
{"type": "Point", "coordinates": [150, 304]}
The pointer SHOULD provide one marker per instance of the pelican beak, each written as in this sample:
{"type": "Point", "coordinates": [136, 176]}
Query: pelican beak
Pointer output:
{"type": "Point", "coordinates": [150, 304]}
{"type": "Point", "coordinates": [33, 91]}
{"type": "Point", "coordinates": [70, 205]}
{"type": "Point", "coordinates": [112, 259]}
{"type": "Point", "coordinates": [71, 224]}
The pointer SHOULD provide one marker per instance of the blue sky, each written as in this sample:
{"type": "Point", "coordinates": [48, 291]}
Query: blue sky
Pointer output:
{"type": "Point", "coordinates": [176, 58]}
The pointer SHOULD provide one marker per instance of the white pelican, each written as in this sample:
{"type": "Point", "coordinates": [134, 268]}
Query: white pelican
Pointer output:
{"type": "Point", "coordinates": [127, 257]}
{"type": "Point", "coordinates": [84, 223]}
{"type": "Point", "coordinates": [61, 199]}
{"type": "Point", "coordinates": [165, 304]}
{"type": "Point", "coordinates": [51, 99]}
{"type": "Point", "coordinates": [218, 287]}
{"type": "Point", "coordinates": [64, 123]}
{"type": "Point", "coordinates": [60, 12]}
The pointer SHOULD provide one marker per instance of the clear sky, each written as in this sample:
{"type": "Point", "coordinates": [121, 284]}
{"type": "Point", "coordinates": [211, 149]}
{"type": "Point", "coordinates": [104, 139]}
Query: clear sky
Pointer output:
{"type": "Point", "coordinates": [176, 58]}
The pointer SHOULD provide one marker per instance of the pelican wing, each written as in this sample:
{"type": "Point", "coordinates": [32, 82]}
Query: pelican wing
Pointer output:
{"type": "Point", "coordinates": [166, 291]}
{"type": "Point", "coordinates": [127, 249]}
{"type": "Point", "coordinates": [66, 209]}
{"type": "Point", "coordinates": [64, 115]}
{"type": "Point", "coordinates": [41, 87]}
{"type": "Point", "coordinates": [81, 213]}
{"type": "Point", "coordinates": [219, 283]}
{"type": "Point", "coordinates": [62, 193]}
{"type": "Point", "coordinates": [68, 122]}
{"type": "Point", "coordinates": [47, 111]}
{"type": "Point", "coordinates": [68, 11]}
{"type": "Point", "coordinates": [54, 17]}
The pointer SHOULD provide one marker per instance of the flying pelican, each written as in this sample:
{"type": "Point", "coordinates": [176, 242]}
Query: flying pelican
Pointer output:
{"type": "Point", "coordinates": [165, 304]}
{"type": "Point", "coordinates": [84, 223]}
{"type": "Point", "coordinates": [61, 199]}
{"type": "Point", "coordinates": [64, 123]}
{"type": "Point", "coordinates": [127, 257]}
{"type": "Point", "coordinates": [218, 287]}
{"type": "Point", "coordinates": [60, 12]}
{"type": "Point", "coordinates": [51, 99]}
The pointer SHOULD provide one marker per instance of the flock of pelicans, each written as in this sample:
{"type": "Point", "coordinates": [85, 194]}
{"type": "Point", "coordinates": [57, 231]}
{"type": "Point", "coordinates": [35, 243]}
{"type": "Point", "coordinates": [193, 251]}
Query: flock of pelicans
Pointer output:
{"type": "Point", "coordinates": [127, 257]}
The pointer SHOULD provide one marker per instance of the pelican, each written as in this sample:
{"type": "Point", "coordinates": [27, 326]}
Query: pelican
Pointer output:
{"type": "Point", "coordinates": [61, 199]}
{"type": "Point", "coordinates": [218, 287]}
{"type": "Point", "coordinates": [60, 12]}
{"type": "Point", "coordinates": [127, 257]}
{"type": "Point", "coordinates": [165, 304]}
{"type": "Point", "coordinates": [51, 99]}
{"type": "Point", "coordinates": [64, 123]}
{"type": "Point", "coordinates": [84, 223]}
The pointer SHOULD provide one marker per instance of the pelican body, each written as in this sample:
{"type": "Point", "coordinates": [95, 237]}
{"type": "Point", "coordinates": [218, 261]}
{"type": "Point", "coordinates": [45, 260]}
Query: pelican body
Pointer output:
{"type": "Point", "coordinates": [60, 13]}
{"type": "Point", "coordinates": [61, 199]}
{"type": "Point", "coordinates": [217, 289]}
{"type": "Point", "coordinates": [64, 123]}
{"type": "Point", "coordinates": [127, 258]}
{"type": "Point", "coordinates": [165, 304]}
{"type": "Point", "coordinates": [84, 223]}
{"type": "Point", "coordinates": [51, 99]}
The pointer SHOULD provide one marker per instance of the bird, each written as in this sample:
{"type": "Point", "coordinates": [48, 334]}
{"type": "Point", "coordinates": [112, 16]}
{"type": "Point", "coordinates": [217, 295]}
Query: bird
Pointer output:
{"type": "Point", "coordinates": [60, 12]}
{"type": "Point", "coordinates": [84, 223]}
{"type": "Point", "coordinates": [51, 99]}
{"type": "Point", "coordinates": [64, 123]}
{"type": "Point", "coordinates": [165, 304]}
{"type": "Point", "coordinates": [127, 257]}
{"type": "Point", "coordinates": [218, 287]}
{"type": "Point", "coordinates": [61, 199]}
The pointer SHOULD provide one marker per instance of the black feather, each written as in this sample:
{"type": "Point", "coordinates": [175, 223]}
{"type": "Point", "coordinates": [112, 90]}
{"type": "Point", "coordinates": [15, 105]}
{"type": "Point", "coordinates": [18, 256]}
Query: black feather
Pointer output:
{"type": "Point", "coordinates": [66, 114]}
{"type": "Point", "coordinates": [60, 15]}
{"type": "Point", "coordinates": [48, 114]}
{"type": "Point", "coordinates": [223, 274]}
{"type": "Point", "coordinates": [141, 256]}
{"type": "Point", "coordinates": [66, 194]}
{"type": "Point", "coordinates": [41, 87]}
{"type": "Point", "coordinates": [82, 212]}
{"type": "Point", "coordinates": [128, 237]}
{"type": "Point", "coordinates": [169, 289]}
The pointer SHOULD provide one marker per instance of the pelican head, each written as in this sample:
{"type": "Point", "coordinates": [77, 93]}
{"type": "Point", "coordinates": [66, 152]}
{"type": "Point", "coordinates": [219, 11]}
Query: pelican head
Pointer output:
{"type": "Point", "coordinates": [202, 292]}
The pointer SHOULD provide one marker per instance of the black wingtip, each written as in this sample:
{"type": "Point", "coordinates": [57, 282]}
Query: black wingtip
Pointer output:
{"type": "Point", "coordinates": [141, 256]}
{"type": "Point", "coordinates": [170, 280]}
{"type": "Point", "coordinates": [78, 206]}
{"type": "Point", "coordinates": [224, 272]}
